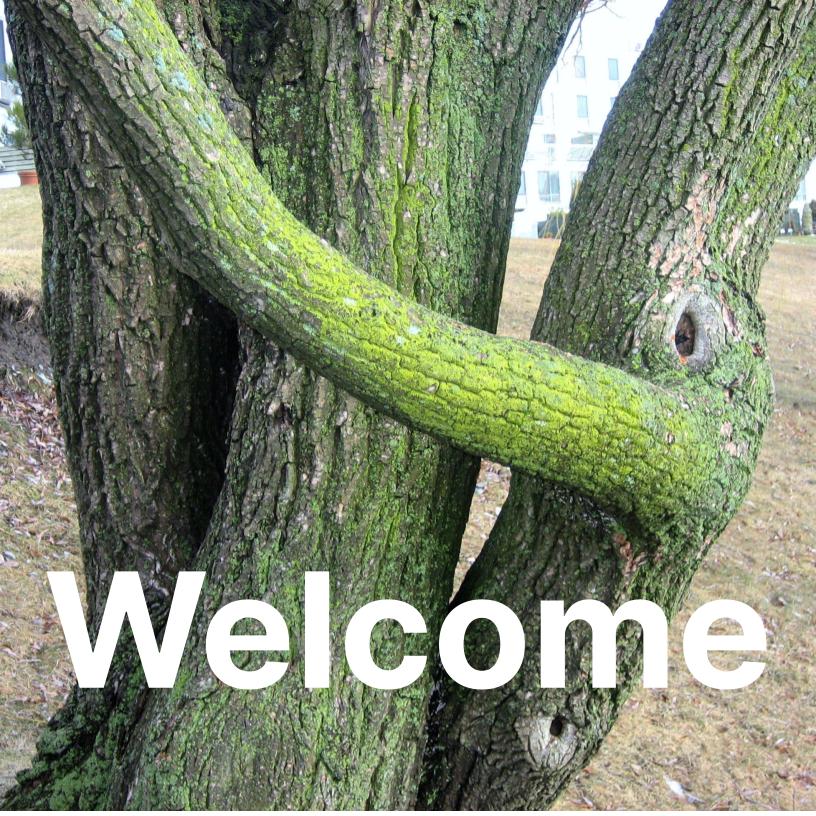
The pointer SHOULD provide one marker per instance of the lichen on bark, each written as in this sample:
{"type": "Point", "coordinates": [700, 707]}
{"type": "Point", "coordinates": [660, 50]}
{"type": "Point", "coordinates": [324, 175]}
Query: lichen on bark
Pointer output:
{"type": "Point", "coordinates": [395, 134]}
{"type": "Point", "coordinates": [642, 248]}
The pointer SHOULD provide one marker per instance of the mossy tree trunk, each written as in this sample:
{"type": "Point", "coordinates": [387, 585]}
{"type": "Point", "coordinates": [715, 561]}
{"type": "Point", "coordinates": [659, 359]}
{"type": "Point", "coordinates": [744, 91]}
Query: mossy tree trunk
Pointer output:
{"type": "Point", "coordinates": [395, 131]}
{"type": "Point", "coordinates": [395, 134]}
{"type": "Point", "coordinates": [675, 217]}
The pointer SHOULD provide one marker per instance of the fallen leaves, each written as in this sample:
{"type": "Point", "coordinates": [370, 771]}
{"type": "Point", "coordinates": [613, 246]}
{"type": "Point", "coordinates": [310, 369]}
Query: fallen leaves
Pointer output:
{"type": "Point", "coordinates": [38, 532]}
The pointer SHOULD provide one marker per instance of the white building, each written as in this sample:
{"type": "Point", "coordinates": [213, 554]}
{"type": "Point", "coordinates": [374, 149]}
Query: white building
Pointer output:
{"type": "Point", "coordinates": [6, 89]}
{"type": "Point", "coordinates": [806, 191]}
{"type": "Point", "coordinates": [575, 103]}
{"type": "Point", "coordinates": [12, 161]}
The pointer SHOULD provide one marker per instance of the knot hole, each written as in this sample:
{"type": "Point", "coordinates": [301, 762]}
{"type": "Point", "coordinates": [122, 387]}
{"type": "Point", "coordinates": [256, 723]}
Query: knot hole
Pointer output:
{"type": "Point", "coordinates": [685, 335]}
{"type": "Point", "coordinates": [557, 726]}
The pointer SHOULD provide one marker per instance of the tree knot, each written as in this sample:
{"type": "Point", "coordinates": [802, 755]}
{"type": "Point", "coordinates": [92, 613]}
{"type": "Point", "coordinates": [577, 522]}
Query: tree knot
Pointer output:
{"type": "Point", "coordinates": [695, 330]}
{"type": "Point", "coordinates": [549, 742]}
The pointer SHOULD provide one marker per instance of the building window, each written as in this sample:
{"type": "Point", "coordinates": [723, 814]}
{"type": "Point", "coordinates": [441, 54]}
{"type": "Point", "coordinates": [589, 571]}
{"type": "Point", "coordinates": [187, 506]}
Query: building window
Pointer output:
{"type": "Point", "coordinates": [612, 101]}
{"type": "Point", "coordinates": [580, 68]}
{"type": "Point", "coordinates": [549, 112]}
{"type": "Point", "coordinates": [583, 139]}
{"type": "Point", "coordinates": [539, 112]}
{"type": "Point", "coordinates": [614, 70]}
{"type": "Point", "coordinates": [521, 198]}
{"type": "Point", "coordinates": [549, 148]}
{"type": "Point", "coordinates": [549, 186]}
{"type": "Point", "coordinates": [583, 107]}
{"type": "Point", "coordinates": [801, 193]}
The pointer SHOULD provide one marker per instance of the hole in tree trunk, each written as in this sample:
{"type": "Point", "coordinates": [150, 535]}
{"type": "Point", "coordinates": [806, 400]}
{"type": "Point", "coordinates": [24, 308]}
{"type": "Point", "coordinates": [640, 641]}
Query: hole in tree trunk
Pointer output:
{"type": "Point", "coordinates": [557, 726]}
{"type": "Point", "coordinates": [695, 331]}
{"type": "Point", "coordinates": [684, 336]}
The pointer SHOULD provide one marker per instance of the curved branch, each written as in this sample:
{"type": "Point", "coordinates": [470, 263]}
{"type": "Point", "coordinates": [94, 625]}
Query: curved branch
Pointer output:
{"type": "Point", "coordinates": [616, 438]}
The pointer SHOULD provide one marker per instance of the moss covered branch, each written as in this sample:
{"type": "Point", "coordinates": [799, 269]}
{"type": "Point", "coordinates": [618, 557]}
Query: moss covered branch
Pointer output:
{"type": "Point", "coordinates": [616, 438]}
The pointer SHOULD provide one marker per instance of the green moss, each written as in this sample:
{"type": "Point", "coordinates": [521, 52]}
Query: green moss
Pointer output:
{"type": "Point", "coordinates": [732, 87]}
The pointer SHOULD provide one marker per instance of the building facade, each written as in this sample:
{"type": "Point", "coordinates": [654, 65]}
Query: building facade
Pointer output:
{"type": "Point", "coordinates": [807, 190]}
{"type": "Point", "coordinates": [579, 94]}
{"type": "Point", "coordinates": [574, 106]}
{"type": "Point", "coordinates": [12, 162]}
{"type": "Point", "coordinates": [6, 89]}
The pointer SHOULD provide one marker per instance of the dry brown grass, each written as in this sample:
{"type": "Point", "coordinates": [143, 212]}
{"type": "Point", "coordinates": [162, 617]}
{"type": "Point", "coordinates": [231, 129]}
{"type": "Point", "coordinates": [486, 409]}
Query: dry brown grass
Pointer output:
{"type": "Point", "coordinates": [20, 241]}
{"type": "Point", "coordinates": [38, 527]}
{"type": "Point", "coordinates": [751, 749]}
{"type": "Point", "coordinates": [38, 532]}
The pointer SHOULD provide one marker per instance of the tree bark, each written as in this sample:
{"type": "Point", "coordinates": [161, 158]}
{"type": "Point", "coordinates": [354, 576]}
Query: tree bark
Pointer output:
{"type": "Point", "coordinates": [676, 216]}
{"type": "Point", "coordinates": [144, 365]}
{"type": "Point", "coordinates": [379, 127]}
{"type": "Point", "coordinates": [397, 136]}
{"type": "Point", "coordinates": [355, 143]}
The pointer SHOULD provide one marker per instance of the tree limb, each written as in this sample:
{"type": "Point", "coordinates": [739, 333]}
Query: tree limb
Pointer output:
{"type": "Point", "coordinates": [618, 439]}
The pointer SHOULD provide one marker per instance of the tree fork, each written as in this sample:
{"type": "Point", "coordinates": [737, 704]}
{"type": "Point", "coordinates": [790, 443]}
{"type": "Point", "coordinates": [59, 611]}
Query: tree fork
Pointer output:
{"type": "Point", "coordinates": [396, 490]}
{"type": "Point", "coordinates": [383, 175]}
{"type": "Point", "coordinates": [612, 556]}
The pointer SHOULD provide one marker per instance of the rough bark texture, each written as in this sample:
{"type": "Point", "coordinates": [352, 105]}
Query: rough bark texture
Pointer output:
{"type": "Point", "coordinates": [351, 139]}
{"type": "Point", "coordinates": [395, 132]}
{"type": "Point", "coordinates": [380, 130]}
{"type": "Point", "coordinates": [675, 217]}
{"type": "Point", "coordinates": [526, 404]}
{"type": "Point", "coordinates": [144, 368]}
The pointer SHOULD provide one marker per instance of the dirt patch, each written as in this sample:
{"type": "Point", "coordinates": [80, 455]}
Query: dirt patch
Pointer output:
{"type": "Point", "coordinates": [38, 527]}
{"type": "Point", "coordinates": [38, 532]}
{"type": "Point", "coordinates": [23, 347]}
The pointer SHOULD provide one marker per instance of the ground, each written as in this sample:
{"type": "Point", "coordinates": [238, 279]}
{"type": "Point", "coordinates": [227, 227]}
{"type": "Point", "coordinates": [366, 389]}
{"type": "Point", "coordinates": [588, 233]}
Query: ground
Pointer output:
{"type": "Point", "coordinates": [688, 746]}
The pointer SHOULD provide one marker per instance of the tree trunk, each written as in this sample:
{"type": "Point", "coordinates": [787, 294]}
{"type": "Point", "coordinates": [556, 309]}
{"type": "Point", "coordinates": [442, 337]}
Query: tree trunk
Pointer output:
{"type": "Point", "coordinates": [396, 133]}
{"type": "Point", "coordinates": [676, 216]}
{"type": "Point", "coordinates": [144, 365]}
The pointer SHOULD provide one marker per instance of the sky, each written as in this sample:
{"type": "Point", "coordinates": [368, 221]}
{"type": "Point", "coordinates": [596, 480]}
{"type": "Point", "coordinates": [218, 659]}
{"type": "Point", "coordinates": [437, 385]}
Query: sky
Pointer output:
{"type": "Point", "coordinates": [8, 46]}
{"type": "Point", "coordinates": [632, 9]}
{"type": "Point", "coordinates": [8, 58]}
{"type": "Point", "coordinates": [640, 15]}
{"type": "Point", "coordinates": [647, 9]}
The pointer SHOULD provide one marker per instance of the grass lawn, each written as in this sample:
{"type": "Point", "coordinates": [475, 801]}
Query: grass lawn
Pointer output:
{"type": "Point", "coordinates": [20, 241]}
{"type": "Point", "coordinates": [38, 528]}
{"type": "Point", "coordinates": [753, 749]}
